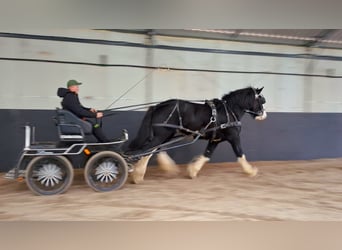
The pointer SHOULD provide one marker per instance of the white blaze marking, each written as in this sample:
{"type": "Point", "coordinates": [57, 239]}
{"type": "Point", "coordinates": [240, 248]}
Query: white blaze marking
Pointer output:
{"type": "Point", "coordinates": [261, 117]}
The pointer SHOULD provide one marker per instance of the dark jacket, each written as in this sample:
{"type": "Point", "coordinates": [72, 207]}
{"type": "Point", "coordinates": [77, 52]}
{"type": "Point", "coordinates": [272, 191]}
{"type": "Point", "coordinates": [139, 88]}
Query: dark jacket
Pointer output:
{"type": "Point", "coordinates": [72, 103]}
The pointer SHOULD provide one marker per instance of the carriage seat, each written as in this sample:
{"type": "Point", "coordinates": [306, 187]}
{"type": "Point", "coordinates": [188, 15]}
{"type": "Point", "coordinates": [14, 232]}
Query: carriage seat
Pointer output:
{"type": "Point", "coordinates": [70, 127]}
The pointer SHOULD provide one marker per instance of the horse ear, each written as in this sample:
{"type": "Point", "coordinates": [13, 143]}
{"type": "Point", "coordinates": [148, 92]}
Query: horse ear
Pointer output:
{"type": "Point", "coordinates": [259, 90]}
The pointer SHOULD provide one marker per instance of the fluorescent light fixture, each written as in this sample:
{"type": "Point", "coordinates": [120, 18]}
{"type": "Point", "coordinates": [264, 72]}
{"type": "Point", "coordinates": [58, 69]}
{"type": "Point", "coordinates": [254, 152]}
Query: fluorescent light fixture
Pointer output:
{"type": "Point", "coordinates": [256, 34]}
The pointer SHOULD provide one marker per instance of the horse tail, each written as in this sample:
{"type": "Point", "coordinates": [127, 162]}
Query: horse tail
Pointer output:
{"type": "Point", "coordinates": [145, 131]}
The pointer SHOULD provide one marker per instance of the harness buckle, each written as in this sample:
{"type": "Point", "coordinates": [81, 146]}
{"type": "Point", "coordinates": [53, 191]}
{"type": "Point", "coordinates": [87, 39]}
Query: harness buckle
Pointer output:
{"type": "Point", "coordinates": [223, 126]}
{"type": "Point", "coordinates": [213, 111]}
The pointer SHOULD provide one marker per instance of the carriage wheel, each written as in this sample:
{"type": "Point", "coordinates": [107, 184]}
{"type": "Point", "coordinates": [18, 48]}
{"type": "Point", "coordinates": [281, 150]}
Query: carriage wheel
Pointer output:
{"type": "Point", "coordinates": [48, 175]}
{"type": "Point", "coordinates": [106, 171]}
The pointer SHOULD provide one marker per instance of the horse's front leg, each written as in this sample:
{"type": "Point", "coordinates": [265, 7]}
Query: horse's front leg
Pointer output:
{"type": "Point", "coordinates": [197, 163]}
{"type": "Point", "coordinates": [166, 164]}
{"type": "Point", "coordinates": [241, 158]}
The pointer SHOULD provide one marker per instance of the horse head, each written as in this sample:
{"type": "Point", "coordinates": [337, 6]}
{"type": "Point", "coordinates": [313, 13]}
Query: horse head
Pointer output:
{"type": "Point", "coordinates": [256, 109]}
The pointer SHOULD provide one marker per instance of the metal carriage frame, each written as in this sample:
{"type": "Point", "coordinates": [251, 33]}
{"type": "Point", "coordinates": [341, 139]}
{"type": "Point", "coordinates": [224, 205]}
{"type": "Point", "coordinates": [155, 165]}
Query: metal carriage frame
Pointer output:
{"type": "Point", "coordinates": [47, 167]}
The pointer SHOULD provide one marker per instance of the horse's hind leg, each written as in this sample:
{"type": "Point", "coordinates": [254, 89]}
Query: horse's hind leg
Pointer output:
{"type": "Point", "coordinates": [140, 169]}
{"type": "Point", "coordinates": [166, 163]}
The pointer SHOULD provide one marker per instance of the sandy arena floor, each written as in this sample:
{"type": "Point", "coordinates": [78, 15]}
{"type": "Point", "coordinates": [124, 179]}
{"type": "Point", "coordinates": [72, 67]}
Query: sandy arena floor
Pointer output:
{"type": "Point", "coordinates": [289, 190]}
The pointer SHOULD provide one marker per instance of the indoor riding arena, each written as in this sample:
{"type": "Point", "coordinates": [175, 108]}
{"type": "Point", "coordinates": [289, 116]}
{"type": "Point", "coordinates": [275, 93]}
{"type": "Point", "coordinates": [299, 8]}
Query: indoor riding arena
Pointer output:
{"type": "Point", "coordinates": [297, 148]}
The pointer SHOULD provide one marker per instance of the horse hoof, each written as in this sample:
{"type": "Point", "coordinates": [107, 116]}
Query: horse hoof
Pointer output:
{"type": "Point", "coordinates": [171, 172]}
{"type": "Point", "coordinates": [254, 172]}
{"type": "Point", "coordinates": [132, 180]}
{"type": "Point", "coordinates": [192, 174]}
{"type": "Point", "coordinates": [136, 179]}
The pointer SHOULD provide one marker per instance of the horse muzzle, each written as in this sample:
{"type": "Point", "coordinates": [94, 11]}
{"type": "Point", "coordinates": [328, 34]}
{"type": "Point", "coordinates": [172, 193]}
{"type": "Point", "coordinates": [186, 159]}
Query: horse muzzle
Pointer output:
{"type": "Point", "coordinates": [262, 116]}
{"type": "Point", "coordinates": [259, 115]}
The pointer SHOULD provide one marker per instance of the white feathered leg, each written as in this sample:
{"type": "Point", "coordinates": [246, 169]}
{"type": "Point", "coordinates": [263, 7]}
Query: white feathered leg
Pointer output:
{"type": "Point", "coordinates": [167, 164]}
{"type": "Point", "coordinates": [140, 169]}
{"type": "Point", "coordinates": [195, 166]}
{"type": "Point", "coordinates": [252, 171]}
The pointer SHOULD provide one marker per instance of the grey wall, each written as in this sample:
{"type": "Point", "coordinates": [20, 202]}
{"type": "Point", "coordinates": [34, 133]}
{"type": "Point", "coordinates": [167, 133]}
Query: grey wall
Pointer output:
{"type": "Point", "coordinates": [282, 136]}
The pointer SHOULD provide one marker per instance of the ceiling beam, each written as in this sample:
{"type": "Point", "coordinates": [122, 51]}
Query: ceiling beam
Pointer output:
{"type": "Point", "coordinates": [323, 34]}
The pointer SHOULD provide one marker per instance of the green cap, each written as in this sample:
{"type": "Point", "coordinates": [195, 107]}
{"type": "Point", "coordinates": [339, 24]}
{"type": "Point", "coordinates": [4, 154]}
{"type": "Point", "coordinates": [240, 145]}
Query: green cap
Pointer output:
{"type": "Point", "coordinates": [73, 83]}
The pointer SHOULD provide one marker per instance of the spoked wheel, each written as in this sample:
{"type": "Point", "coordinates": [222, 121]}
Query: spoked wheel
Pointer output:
{"type": "Point", "coordinates": [106, 171]}
{"type": "Point", "coordinates": [48, 175]}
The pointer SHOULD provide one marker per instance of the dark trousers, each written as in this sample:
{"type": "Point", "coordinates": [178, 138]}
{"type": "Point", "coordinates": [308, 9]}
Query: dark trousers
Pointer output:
{"type": "Point", "coordinates": [97, 129]}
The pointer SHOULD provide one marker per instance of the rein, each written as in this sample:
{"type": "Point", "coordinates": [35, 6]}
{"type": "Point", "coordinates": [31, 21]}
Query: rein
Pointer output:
{"type": "Point", "coordinates": [254, 113]}
{"type": "Point", "coordinates": [112, 111]}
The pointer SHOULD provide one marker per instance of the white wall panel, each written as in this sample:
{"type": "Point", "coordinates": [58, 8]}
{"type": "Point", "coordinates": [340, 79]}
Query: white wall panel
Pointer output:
{"type": "Point", "coordinates": [33, 85]}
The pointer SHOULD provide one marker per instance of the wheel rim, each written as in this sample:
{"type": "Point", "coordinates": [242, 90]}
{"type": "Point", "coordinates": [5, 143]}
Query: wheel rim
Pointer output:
{"type": "Point", "coordinates": [49, 175]}
{"type": "Point", "coordinates": [106, 173]}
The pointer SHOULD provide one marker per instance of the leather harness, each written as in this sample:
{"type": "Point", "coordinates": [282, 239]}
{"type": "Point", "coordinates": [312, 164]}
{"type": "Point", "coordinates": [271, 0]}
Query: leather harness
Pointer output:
{"type": "Point", "coordinates": [213, 120]}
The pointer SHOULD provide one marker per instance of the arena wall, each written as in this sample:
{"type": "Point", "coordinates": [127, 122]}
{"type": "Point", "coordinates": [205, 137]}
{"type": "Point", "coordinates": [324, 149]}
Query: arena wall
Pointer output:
{"type": "Point", "coordinates": [302, 87]}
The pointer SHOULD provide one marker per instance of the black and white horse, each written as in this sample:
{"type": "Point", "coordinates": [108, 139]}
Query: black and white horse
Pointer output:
{"type": "Point", "coordinates": [216, 120]}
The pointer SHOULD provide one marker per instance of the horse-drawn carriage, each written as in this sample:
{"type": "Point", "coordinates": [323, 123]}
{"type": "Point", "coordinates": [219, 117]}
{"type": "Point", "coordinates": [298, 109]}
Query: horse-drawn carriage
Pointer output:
{"type": "Point", "coordinates": [48, 169]}
{"type": "Point", "coordinates": [47, 166]}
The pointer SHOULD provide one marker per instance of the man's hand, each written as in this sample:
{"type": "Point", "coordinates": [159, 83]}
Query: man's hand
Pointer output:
{"type": "Point", "coordinates": [99, 114]}
{"type": "Point", "coordinates": [93, 110]}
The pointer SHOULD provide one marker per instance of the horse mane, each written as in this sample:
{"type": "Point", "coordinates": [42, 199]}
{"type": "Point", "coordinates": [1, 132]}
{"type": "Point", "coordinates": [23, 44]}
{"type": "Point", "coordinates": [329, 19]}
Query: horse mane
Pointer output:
{"type": "Point", "coordinates": [244, 97]}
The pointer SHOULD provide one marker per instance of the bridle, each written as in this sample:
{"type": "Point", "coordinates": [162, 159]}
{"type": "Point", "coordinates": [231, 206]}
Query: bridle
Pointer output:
{"type": "Point", "coordinates": [255, 113]}
{"type": "Point", "coordinates": [260, 112]}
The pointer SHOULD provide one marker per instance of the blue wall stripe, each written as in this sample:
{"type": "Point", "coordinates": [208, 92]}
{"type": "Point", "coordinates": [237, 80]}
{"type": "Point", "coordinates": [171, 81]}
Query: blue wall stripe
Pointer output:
{"type": "Point", "coordinates": [282, 136]}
